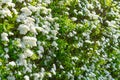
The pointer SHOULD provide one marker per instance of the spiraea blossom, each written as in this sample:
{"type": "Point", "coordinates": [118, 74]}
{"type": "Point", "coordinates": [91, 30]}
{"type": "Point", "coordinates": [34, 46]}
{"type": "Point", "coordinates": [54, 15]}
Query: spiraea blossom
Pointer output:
{"type": "Point", "coordinates": [5, 12]}
{"type": "Point", "coordinates": [26, 77]}
{"type": "Point", "coordinates": [54, 44]}
{"type": "Point", "coordinates": [23, 28]}
{"type": "Point", "coordinates": [6, 1]}
{"type": "Point", "coordinates": [33, 8]}
{"type": "Point", "coordinates": [30, 41]}
{"type": "Point", "coordinates": [10, 78]}
{"type": "Point", "coordinates": [59, 39]}
{"type": "Point", "coordinates": [20, 1]}
{"type": "Point", "coordinates": [28, 20]}
{"type": "Point", "coordinates": [28, 53]}
{"type": "Point", "coordinates": [12, 63]}
{"type": "Point", "coordinates": [4, 36]}
{"type": "Point", "coordinates": [26, 11]}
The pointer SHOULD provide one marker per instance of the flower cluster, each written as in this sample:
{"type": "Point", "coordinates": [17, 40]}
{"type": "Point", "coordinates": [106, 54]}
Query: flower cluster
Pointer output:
{"type": "Point", "coordinates": [59, 39]}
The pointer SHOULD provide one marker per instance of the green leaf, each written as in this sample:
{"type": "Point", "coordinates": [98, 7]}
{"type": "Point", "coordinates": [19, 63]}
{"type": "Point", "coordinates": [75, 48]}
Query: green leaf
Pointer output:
{"type": "Point", "coordinates": [105, 2]}
{"type": "Point", "coordinates": [1, 60]}
{"type": "Point", "coordinates": [34, 57]}
{"type": "Point", "coordinates": [108, 2]}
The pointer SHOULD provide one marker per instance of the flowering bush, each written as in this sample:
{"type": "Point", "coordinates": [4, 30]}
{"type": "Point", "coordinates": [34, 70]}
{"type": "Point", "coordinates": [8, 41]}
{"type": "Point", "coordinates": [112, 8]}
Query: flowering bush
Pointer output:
{"type": "Point", "coordinates": [60, 40]}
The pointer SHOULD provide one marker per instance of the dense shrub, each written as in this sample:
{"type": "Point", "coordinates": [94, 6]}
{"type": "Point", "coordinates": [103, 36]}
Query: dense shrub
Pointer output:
{"type": "Point", "coordinates": [60, 39]}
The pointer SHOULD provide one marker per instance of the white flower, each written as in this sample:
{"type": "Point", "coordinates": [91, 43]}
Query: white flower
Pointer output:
{"type": "Point", "coordinates": [54, 66]}
{"type": "Point", "coordinates": [53, 71]}
{"type": "Point", "coordinates": [39, 53]}
{"type": "Point", "coordinates": [27, 69]}
{"type": "Point", "coordinates": [90, 6]}
{"type": "Point", "coordinates": [23, 29]}
{"type": "Point", "coordinates": [36, 76]}
{"type": "Point", "coordinates": [41, 48]}
{"type": "Point", "coordinates": [5, 12]}
{"type": "Point", "coordinates": [67, 13]}
{"type": "Point", "coordinates": [80, 44]}
{"type": "Point", "coordinates": [98, 42]}
{"type": "Point", "coordinates": [6, 56]}
{"type": "Point", "coordinates": [32, 8]}
{"type": "Point", "coordinates": [75, 58]}
{"type": "Point", "coordinates": [26, 11]}
{"type": "Point", "coordinates": [30, 41]}
{"type": "Point", "coordinates": [12, 63]}
{"type": "Point", "coordinates": [56, 26]}
{"type": "Point", "coordinates": [93, 26]}
{"type": "Point", "coordinates": [49, 74]}
{"type": "Point", "coordinates": [46, 27]}
{"type": "Point", "coordinates": [20, 0]}
{"type": "Point", "coordinates": [79, 12]}
{"type": "Point", "coordinates": [33, 29]}
{"type": "Point", "coordinates": [61, 67]}
{"type": "Point", "coordinates": [44, 10]}
{"type": "Point", "coordinates": [54, 32]}
{"type": "Point", "coordinates": [22, 56]}
{"type": "Point", "coordinates": [0, 65]}
{"type": "Point", "coordinates": [69, 75]}
{"type": "Point", "coordinates": [42, 70]}
{"type": "Point", "coordinates": [10, 78]}
{"type": "Point", "coordinates": [6, 50]}
{"type": "Point", "coordinates": [111, 23]}
{"type": "Point", "coordinates": [11, 4]}
{"type": "Point", "coordinates": [19, 73]}
{"type": "Point", "coordinates": [54, 44]}
{"type": "Point", "coordinates": [93, 15]}
{"type": "Point", "coordinates": [26, 77]}
{"type": "Point", "coordinates": [28, 53]}
{"type": "Point", "coordinates": [88, 41]}
{"type": "Point", "coordinates": [4, 36]}
{"type": "Point", "coordinates": [42, 74]}
{"type": "Point", "coordinates": [15, 11]}
{"type": "Point", "coordinates": [74, 18]}
{"type": "Point", "coordinates": [11, 33]}
{"type": "Point", "coordinates": [21, 61]}
{"type": "Point", "coordinates": [39, 29]}
{"type": "Point", "coordinates": [74, 32]}
{"type": "Point", "coordinates": [21, 18]}
{"type": "Point", "coordinates": [91, 74]}
{"type": "Point", "coordinates": [6, 1]}
{"type": "Point", "coordinates": [29, 21]}
{"type": "Point", "coordinates": [71, 34]}
{"type": "Point", "coordinates": [47, 1]}
{"type": "Point", "coordinates": [49, 18]}
{"type": "Point", "coordinates": [17, 42]}
{"type": "Point", "coordinates": [29, 0]}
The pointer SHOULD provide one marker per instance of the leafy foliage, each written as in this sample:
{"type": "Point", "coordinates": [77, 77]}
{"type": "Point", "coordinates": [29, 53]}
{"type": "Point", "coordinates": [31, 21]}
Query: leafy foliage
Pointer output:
{"type": "Point", "coordinates": [60, 39]}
